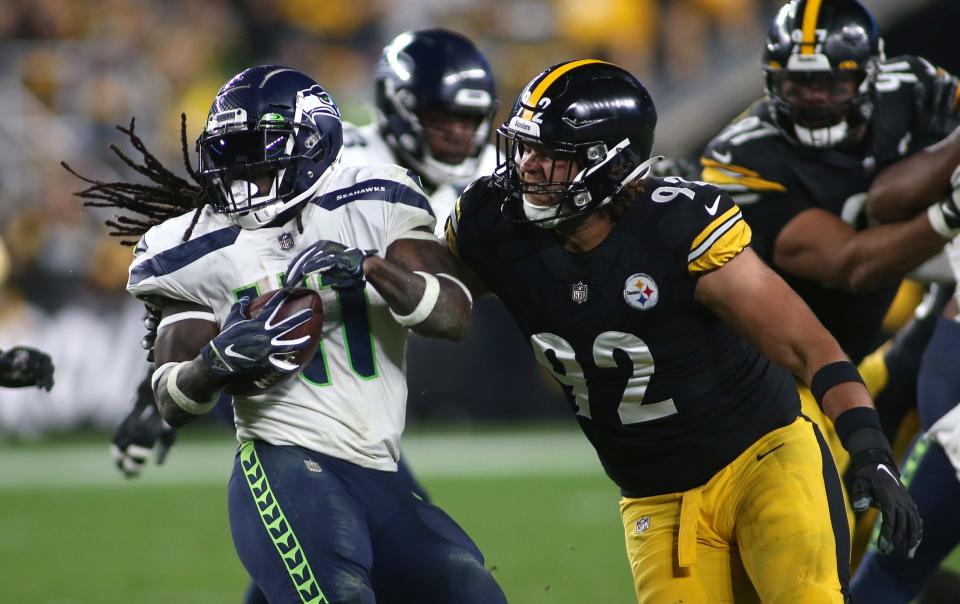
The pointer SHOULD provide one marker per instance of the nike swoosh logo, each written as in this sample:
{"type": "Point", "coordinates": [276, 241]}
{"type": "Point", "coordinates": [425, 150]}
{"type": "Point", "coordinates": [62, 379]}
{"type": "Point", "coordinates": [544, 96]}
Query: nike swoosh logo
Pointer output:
{"type": "Point", "coordinates": [712, 210]}
{"type": "Point", "coordinates": [881, 467]}
{"type": "Point", "coordinates": [723, 158]}
{"type": "Point", "coordinates": [230, 353]}
{"type": "Point", "coordinates": [762, 455]}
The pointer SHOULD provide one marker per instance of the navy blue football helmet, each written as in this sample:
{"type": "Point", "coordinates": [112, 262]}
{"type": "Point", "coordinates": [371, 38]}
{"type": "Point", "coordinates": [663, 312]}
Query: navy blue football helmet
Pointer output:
{"type": "Point", "coordinates": [594, 114]}
{"type": "Point", "coordinates": [833, 47]}
{"type": "Point", "coordinates": [433, 70]}
{"type": "Point", "coordinates": [271, 134]}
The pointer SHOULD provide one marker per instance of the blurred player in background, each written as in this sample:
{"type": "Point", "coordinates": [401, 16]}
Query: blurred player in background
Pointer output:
{"type": "Point", "coordinates": [799, 163]}
{"type": "Point", "coordinates": [318, 511]}
{"type": "Point", "coordinates": [643, 299]}
{"type": "Point", "coordinates": [435, 102]}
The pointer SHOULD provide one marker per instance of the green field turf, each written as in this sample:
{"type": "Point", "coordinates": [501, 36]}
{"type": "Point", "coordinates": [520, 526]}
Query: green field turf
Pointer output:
{"type": "Point", "coordinates": [73, 531]}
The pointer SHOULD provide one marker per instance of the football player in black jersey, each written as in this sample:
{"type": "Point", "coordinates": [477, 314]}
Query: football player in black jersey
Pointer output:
{"type": "Point", "coordinates": [670, 337]}
{"type": "Point", "coordinates": [800, 161]}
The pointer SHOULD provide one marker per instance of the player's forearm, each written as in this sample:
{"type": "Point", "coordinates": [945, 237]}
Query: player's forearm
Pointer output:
{"type": "Point", "coordinates": [910, 185]}
{"type": "Point", "coordinates": [432, 306]}
{"type": "Point", "coordinates": [844, 397]}
{"type": "Point", "coordinates": [883, 255]}
{"type": "Point", "coordinates": [185, 391]}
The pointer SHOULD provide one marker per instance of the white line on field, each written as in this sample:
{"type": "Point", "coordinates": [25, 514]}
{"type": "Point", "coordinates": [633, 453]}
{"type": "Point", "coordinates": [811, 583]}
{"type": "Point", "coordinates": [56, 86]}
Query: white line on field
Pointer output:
{"type": "Point", "coordinates": [430, 455]}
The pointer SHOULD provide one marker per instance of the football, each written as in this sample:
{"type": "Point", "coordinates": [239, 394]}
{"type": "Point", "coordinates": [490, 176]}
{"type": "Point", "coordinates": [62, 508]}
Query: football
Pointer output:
{"type": "Point", "coordinates": [300, 298]}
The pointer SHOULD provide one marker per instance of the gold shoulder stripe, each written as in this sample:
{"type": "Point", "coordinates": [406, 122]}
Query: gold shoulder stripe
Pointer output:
{"type": "Point", "coordinates": [724, 247]}
{"type": "Point", "coordinates": [956, 97]}
{"type": "Point", "coordinates": [451, 235]}
{"type": "Point", "coordinates": [718, 222]}
{"type": "Point", "coordinates": [552, 77]}
{"type": "Point", "coordinates": [721, 177]}
{"type": "Point", "coordinates": [710, 163]}
{"type": "Point", "coordinates": [811, 14]}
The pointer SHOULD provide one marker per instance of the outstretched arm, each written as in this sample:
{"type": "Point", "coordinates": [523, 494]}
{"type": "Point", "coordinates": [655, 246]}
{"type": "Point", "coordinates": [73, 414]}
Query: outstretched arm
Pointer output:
{"type": "Point", "coordinates": [422, 284]}
{"type": "Point", "coordinates": [417, 277]}
{"type": "Point", "coordinates": [819, 246]}
{"type": "Point", "coordinates": [907, 187]}
{"type": "Point", "coordinates": [756, 303]}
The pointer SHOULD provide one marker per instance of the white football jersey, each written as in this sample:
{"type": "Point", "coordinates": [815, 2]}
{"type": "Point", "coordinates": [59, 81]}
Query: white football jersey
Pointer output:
{"type": "Point", "coordinates": [350, 401]}
{"type": "Point", "coordinates": [363, 145]}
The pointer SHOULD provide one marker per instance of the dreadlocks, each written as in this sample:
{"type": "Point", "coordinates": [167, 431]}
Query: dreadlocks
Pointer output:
{"type": "Point", "coordinates": [169, 196]}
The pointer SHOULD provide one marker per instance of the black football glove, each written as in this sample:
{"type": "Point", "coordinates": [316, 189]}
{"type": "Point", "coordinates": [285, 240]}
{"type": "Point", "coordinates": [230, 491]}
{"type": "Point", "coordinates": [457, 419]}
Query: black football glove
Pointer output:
{"type": "Point", "coordinates": [22, 366]}
{"type": "Point", "coordinates": [341, 266]}
{"type": "Point", "coordinates": [873, 480]}
{"type": "Point", "coordinates": [246, 345]}
{"type": "Point", "coordinates": [141, 431]}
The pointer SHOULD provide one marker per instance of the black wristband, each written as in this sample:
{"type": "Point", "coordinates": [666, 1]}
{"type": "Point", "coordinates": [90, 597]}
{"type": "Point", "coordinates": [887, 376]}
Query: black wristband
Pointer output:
{"type": "Point", "coordinates": [854, 419]}
{"type": "Point", "coordinates": [831, 375]}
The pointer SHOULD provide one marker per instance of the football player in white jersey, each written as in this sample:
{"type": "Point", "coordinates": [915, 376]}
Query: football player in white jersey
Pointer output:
{"type": "Point", "coordinates": [435, 103]}
{"type": "Point", "coordinates": [318, 512]}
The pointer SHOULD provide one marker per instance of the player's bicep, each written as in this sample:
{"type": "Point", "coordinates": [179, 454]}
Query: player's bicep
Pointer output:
{"type": "Point", "coordinates": [184, 329]}
{"type": "Point", "coordinates": [757, 304]}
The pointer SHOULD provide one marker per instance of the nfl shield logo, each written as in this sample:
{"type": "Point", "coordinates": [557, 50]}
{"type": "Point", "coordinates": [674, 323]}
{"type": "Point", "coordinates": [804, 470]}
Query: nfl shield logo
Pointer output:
{"type": "Point", "coordinates": [286, 241]}
{"type": "Point", "coordinates": [578, 292]}
{"type": "Point", "coordinates": [642, 525]}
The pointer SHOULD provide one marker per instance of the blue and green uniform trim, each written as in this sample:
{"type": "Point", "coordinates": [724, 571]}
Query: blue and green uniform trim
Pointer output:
{"type": "Point", "coordinates": [279, 529]}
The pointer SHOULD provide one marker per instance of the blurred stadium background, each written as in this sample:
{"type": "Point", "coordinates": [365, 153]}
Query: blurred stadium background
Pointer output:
{"type": "Point", "coordinates": [497, 449]}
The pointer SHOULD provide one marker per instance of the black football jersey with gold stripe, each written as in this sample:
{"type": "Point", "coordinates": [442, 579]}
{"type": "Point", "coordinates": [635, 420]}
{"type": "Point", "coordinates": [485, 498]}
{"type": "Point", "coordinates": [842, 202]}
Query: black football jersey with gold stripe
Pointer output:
{"type": "Point", "coordinates": [662, 389]}
{"type": "Point", "coordinates": [773, 179]}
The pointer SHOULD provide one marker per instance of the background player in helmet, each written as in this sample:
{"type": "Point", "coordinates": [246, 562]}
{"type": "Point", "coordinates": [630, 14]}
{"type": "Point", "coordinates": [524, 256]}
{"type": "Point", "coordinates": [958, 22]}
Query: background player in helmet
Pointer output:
{"type": "Point", "coordinates": [315, 477]}
{"type": "Point", "coordinates": [435, 99]}
{"type": "Point", "coordinates": [632, 291]}
{"type": "Point", "coordinates": [800, 161]}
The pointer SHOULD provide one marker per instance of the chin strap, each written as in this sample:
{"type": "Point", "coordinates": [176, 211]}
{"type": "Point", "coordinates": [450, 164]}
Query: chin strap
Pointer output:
{"type": "Point", "coordinates": [546, 217]}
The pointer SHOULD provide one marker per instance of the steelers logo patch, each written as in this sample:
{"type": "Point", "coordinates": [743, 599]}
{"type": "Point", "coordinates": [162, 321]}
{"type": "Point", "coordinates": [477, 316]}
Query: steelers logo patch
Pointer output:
{"type": "Point", "coordinates": [641, 292]}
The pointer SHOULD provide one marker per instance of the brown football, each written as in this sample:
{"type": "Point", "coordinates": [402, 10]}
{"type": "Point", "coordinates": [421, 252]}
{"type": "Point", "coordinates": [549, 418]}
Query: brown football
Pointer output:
{"type": "Point", "coordinates": [300, 298]}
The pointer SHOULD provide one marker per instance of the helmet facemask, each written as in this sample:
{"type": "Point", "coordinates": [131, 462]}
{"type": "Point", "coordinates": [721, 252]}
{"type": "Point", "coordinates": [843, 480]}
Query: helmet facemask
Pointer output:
{"type": "Point", "coordinates": [821, 108]}
{"type": "Point", "coordinates": [413, 147]}
{"type": "Point", "coordinates": [256, 169]}
{"type": "Point", "coordinates": [589, 177]}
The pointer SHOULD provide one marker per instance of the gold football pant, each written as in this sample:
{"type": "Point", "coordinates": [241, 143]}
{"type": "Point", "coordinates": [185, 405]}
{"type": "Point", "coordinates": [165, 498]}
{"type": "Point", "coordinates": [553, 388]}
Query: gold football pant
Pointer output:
{"type": "Point", "coordinates": [768, 527]}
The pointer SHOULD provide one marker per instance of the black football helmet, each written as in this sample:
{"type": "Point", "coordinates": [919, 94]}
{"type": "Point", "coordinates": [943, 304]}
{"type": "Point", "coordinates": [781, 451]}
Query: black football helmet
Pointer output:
{"type": "Point", "coordinates": [271, 134]}
{"type": "Point", "coordinates": [830, 45]}
{"type": "Point", "coordinates": [433, 70]}
{"type": "Point", "coordinates": [589, 111]}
